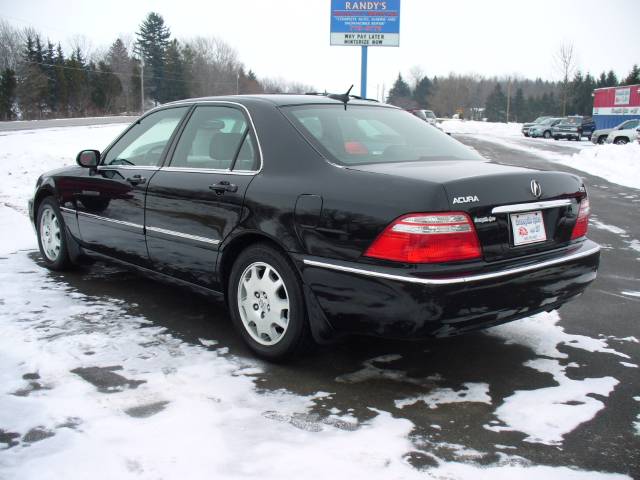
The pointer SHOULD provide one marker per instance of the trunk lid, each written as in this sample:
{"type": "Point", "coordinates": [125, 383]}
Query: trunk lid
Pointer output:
{"type": "Point", "coordinates": [492, 193]}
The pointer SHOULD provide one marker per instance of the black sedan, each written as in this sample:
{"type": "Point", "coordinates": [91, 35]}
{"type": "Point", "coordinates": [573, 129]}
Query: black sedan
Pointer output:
{"type": "Point", "coordinates": [321, 216]}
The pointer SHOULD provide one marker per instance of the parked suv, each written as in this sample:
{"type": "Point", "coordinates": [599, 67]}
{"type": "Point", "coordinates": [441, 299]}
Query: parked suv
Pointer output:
{"type": "Point", "coordinates": [621, 132]}
{"type": "Point", "coordinates": [574, 128]}
{"type": "Point", "coordinates": [527, 126]}
{"type": "Point", "coordinates": [543, 129]}
{"type": "Point", "coordinates": [426, 115]}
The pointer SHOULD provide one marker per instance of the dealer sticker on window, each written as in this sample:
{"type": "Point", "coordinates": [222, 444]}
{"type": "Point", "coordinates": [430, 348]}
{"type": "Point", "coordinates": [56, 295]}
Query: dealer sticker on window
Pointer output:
{"type": "Point", "coordinates": [528, 228]}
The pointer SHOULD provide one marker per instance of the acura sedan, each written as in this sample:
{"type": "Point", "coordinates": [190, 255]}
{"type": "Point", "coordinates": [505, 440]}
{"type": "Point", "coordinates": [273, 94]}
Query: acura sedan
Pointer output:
{"type": "Point", "coordinates": [317, 217]}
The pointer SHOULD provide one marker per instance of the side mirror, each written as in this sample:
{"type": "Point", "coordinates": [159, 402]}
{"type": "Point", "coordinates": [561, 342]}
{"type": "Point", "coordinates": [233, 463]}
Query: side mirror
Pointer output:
{"type": "Point", "coordinates": [88, 158]}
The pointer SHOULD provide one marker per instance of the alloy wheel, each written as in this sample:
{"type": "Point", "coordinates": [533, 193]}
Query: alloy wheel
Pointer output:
{"type": "Point", "coordinates": [263, 303]}
{"type": "Point", "coordinates": [50, 234]}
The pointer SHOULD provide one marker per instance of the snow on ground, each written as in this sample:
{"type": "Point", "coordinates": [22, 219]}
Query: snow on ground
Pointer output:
{"type": "Point", "coordinates": [546, 414]}
{"type": "Point", "coordinates": [616, 163]}
{"type": "Point", "coordinates": [90, 390]}
{"type": "Point", "coordinates": [26, 154]}
{"type": "Point", "coordinates": [470, 392]}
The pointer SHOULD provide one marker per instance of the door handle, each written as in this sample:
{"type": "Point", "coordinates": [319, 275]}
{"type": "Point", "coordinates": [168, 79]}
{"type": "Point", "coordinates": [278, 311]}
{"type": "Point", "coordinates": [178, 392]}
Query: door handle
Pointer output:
{"type": "Point", "coordinates": [222, 187]}
{"type": "Point", "coordinates": [137, 180]}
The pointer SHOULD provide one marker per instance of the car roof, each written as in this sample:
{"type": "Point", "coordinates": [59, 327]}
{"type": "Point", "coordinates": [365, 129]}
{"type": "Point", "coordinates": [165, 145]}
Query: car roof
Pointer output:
{"type": "Point", "coordinates": [280, 100]}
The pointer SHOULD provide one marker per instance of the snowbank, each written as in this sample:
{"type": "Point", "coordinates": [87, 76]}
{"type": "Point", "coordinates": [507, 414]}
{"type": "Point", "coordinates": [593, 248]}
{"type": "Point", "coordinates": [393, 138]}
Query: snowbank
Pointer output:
{"type": "Point", "coordinates": [472, 127]}
{"type": "Point", "coordinates": [616, 163]}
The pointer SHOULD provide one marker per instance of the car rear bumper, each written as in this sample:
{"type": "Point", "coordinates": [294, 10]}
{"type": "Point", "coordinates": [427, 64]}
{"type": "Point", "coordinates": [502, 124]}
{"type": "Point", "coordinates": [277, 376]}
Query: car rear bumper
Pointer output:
{"type": "Point", "coordinates": [394, 302]}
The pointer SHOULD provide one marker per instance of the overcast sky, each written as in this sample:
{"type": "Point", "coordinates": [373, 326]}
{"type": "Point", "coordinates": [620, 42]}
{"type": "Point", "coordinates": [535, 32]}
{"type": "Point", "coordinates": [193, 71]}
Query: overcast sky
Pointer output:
{"type": "Point", "coordinates": [290, 39]}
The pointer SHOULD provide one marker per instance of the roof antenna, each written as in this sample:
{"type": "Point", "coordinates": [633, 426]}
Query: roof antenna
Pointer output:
{"type": "Point", "coordinates": [343, 97]}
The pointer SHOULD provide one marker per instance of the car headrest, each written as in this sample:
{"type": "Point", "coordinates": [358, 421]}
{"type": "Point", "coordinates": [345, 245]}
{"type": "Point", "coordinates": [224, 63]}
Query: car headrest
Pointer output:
{"type": "Point", "coordinates": [223, 146]}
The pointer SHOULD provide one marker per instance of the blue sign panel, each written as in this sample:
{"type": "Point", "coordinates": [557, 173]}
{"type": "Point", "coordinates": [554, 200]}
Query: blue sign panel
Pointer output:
{"type": "Point", "coordinates": [365, 23]}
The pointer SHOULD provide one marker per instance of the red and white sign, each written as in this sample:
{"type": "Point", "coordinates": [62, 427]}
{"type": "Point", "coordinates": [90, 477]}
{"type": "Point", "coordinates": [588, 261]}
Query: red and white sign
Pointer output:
{"type": "Point", "coordinates": [617, 100]}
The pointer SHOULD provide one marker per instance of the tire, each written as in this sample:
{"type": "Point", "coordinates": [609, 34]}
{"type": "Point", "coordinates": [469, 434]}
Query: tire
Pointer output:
{"type": "Point", "coordinates": [621, 141]}
{"type": "Point", "coordinates": [547, 134]}
{"type": "Point", "coordinates": [52, 240]}
{"type": "Point", "coordinates": [267, 305]}
{"type": "Point", "coordinates": [602, 139]}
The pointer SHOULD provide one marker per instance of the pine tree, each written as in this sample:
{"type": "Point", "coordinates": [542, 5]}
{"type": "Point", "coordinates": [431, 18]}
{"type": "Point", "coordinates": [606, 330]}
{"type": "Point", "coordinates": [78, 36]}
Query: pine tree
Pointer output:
{"type": "Point", "coordinates": [105, 87]}
{"type": "Point", "coordinates": [400, 94]}
{"type": "Point", "coordinates": [422, 92]}
{"type": "Point", "coordinates": [612, 79]}
{"type": "Point", "coordinates": [32, 89]}
{"type": "Point", "coordinates": [633, 78]}
{"type": "Point", "coordinates": [61, 89]}
{"type": "Point", "coordinates": [77, 79]}
{"type": "Point", "coordinates": [8, 86]}
{"type": "Point", "coordinates": [175, 87]}
{"type": "Point", "coordinates": [519, 106]}
{"type": "Point", "coordinates": [602, 80]}
{"type": "Point", "coordinates": [152, 43]}
{"type": "Point", "coordinates": [495, 108]}
{"type": "Point", "coordinates": [122, 65]}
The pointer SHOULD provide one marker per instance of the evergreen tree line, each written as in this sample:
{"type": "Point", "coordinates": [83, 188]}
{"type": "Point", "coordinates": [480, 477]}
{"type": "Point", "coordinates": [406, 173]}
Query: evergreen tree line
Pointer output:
{"type": "Point", "coordinates": [476, 97]}
{"type": "Point", "coordinates": [39, 79]}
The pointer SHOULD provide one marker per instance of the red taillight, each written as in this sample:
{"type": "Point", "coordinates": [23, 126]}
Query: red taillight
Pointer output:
{"type": "Point", "coordinates": [428, 238]}
{"type": "Point", "coordinates": [582, 223]}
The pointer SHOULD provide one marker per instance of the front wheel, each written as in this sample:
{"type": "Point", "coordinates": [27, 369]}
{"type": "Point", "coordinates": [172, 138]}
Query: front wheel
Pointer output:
{"type": "Point", "coordinates": [51, 236]}
{"type": "Point", "coordinates": [547, 134]}
{"type": "Point", "coordinates": [267, 304]}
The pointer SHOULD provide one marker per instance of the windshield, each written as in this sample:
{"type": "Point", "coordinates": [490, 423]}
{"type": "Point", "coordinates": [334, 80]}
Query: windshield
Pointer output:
{"type": "Point", "coordinates": [429, 114]}
{"type": "Point", "coordinates": [368, 134]}
{"type": "Point", "coordinates": [540, 119]}
{"type": "Point", "coordinates": [572, 120]}
{"type": "Point", "coordinates": [549, 121]}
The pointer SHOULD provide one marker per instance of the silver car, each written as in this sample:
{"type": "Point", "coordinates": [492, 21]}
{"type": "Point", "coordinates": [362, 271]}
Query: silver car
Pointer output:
{"type": "Point", "coordinates": [544, 129]}
{"type": "Point", "coordinates": [600, 136]}
{"type": "Point", "coordinates": [527, 126]}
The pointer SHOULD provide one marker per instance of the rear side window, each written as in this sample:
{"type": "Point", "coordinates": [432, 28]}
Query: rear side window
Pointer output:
{"type": "Point", "coordinates": [371, 134]}
{"type": "Point", "coordinates": [215, 136]}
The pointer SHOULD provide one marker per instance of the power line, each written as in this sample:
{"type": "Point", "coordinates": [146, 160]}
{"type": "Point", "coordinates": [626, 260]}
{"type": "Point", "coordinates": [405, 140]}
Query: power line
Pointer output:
{"type": "Point", "coordinates": [123, 74]}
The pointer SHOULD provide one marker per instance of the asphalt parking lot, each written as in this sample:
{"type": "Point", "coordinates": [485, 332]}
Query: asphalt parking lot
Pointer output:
{"type": "Point", "coordinates": [365, 375]}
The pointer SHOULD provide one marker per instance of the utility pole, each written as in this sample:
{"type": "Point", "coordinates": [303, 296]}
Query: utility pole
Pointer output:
{"type": "Point", "coordinates": [238, 83]}
{"type": "Point", "coordinates": [508, 98]}
{"type": "Point", "coordinates": [141, 84]}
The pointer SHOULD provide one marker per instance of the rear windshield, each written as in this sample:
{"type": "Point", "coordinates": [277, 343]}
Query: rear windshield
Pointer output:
{"type": "Point", "coordinates": [368, 134]}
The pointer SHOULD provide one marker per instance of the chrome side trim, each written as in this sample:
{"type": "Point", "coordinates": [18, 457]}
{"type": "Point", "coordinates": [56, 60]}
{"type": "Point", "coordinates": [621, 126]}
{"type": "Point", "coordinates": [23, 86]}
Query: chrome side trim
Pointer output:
{"type": "Point", "coordinates": [453, 280]}
{"type": "Point", "coordinates": [68, 210]}
{"type": "Point", "coordinates": [183, 235]}
{"type": "Point", "coordinates": [128, 167]}
{"type": "Point", "coordinates": [523, 207]}
{"type": "Point", "coordinates": [105, 219]}
{"type": "Point", "coordinates": [207, 170]}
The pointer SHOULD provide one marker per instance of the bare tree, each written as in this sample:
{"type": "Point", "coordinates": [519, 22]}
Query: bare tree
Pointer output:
{"type": "Point", "coordinates": [11, 40]}
{"type": "Point", "coordinates": [565, 60]}
{"type": "Point", "coordinates": [416, 73]}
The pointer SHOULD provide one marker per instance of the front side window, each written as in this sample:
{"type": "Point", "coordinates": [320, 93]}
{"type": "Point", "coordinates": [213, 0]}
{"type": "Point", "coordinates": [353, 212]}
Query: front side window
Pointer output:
{"type": "Point", "coordinates": [371, 134]}
{"type": "Point", "coordinates": [214, 138]}
{"type": "Point", "coordinates": [144, 143]}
